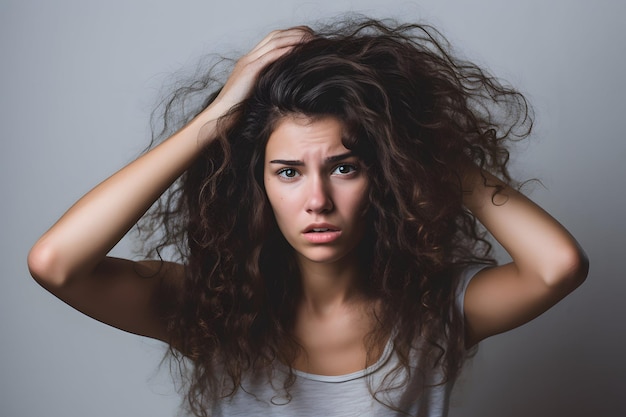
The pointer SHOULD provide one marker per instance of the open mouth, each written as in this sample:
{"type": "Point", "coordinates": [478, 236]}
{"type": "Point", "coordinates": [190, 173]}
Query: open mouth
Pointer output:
{"type": "Point", "coordinates": [321, 228]}
{"type": "Point", "coordinates": [322, 233]}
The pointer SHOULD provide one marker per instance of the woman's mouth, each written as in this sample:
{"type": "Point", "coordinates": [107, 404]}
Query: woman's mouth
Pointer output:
{"type": "Point", "coordinates": [321, 233]}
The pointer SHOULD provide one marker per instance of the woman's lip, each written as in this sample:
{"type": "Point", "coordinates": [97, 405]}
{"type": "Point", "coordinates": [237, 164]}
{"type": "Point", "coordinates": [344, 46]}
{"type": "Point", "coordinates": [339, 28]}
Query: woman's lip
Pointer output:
{"type": "Point", "coordinates": [320, 228]}
{"type": "Point", "coordinates": [322, 237]}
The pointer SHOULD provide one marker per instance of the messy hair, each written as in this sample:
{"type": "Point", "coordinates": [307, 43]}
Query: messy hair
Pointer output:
{"type": "Point", "coordinates": [415, 114]}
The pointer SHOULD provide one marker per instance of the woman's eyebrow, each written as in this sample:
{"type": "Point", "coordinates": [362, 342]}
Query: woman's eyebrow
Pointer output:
{"type": "Point", "coordinates": [328, 160]}
{"type": "Point", "coordinates": [337, 158]}
{"type": "Point", "coordinates": [287, 162]}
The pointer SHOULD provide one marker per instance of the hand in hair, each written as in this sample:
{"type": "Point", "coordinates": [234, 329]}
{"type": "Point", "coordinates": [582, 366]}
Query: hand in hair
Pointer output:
{"type": "Point", "coordinates": [244, 75]}
{"type": "Point", "coordinates": [70, 259]}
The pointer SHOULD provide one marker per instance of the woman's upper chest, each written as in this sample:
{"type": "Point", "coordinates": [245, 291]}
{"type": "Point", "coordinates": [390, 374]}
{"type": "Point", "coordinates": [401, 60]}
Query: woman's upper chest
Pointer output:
{"type": "Point", "coordinates": [335, 341]}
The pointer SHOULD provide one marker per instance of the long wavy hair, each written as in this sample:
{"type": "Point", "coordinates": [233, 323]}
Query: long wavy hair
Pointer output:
{"type": "Point", "coordinates": [415, 114]}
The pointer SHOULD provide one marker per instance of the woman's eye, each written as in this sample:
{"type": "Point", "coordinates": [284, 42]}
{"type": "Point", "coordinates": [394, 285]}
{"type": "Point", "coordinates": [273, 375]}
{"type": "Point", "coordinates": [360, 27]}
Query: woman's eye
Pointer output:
{"type": "Point", "coordinates": [345, 169]}
{"type": "Point", "coordinates": [287, 173]}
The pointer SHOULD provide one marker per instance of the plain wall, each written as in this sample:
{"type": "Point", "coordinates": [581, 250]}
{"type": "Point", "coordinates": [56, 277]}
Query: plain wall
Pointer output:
{"type": "Point", "coordinates": [78, 80]}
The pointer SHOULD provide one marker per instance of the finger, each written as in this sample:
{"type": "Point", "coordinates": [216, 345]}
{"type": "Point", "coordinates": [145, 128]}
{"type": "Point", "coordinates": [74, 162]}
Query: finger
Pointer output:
{"type": "Point", "coordinates": [271, 56]}
{"type": "Point", "coordinates": [285, 32]}
{"type": "Point", "coordinates": [280, 38]}
{"type": "Point", "coordinates": [275, 44]}
{"type": "Point", "coordinates": [277, 41]}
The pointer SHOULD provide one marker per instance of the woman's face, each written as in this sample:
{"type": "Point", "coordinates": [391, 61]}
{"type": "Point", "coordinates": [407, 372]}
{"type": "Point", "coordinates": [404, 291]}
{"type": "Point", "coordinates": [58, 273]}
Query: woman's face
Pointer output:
{"type": "Point", "coordinates": [316, 186]}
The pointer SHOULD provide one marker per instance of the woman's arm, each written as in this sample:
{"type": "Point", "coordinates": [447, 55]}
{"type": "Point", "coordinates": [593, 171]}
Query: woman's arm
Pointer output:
{"type": "Point", "coordinates": [547, 261]}
{"type": "Point", "coordinates": [70, 259]}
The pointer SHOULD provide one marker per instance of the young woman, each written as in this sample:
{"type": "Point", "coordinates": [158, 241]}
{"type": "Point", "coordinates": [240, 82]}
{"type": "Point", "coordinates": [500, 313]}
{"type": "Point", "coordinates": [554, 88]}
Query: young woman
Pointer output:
{"type": "Point", "coordinates": [326, 202]}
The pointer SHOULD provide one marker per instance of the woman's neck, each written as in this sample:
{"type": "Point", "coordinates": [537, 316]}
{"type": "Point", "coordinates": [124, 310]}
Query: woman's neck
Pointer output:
{"type": "Point", "coordinates": [334, 319]}
{"type": "Point", "coordinates": [327, 286]}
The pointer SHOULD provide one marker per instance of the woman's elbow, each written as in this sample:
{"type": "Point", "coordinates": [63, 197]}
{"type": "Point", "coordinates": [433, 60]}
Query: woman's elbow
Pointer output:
{"type": "Point", "coordinates": [571, 269]}
{"type": "Point", "coordinates": [44, 266]}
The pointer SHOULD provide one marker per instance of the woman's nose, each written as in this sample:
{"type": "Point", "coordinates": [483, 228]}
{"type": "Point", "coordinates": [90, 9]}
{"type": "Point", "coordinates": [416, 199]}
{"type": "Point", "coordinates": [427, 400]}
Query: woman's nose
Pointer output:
{"type": "Point", "coordinates": [319, 198]}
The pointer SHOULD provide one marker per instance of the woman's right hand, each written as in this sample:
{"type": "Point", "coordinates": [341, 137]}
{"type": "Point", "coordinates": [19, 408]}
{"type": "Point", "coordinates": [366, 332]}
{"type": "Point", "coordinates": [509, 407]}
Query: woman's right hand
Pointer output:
{"type": "Point", "coordinates": [70, 259]}
{"type": "Point", "coordinates": [246, 71]}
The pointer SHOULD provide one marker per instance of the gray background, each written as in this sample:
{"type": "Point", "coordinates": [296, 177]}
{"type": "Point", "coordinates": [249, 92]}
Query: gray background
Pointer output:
{"type": "Point", "coordinates": [79, 79]}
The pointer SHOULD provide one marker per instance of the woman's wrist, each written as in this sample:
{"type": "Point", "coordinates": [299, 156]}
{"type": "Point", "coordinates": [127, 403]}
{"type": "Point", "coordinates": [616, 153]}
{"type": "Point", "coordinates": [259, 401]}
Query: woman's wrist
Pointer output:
{"type": "Point", "coordinates": [481, 187]}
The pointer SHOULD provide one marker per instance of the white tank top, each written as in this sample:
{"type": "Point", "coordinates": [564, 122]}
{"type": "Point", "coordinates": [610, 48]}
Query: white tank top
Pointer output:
{"type": "Point", "coordinates": [348, 395]}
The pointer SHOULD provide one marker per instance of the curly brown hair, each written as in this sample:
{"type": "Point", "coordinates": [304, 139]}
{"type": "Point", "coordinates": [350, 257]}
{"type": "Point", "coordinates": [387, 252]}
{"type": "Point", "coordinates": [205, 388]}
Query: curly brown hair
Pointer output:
{"type": "Point", "coordinates": [415, 114]}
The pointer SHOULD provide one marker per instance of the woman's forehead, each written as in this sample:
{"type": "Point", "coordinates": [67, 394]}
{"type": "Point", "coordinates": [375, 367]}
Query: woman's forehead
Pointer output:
{"type": "Point", "coordinates": [300, 135]}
